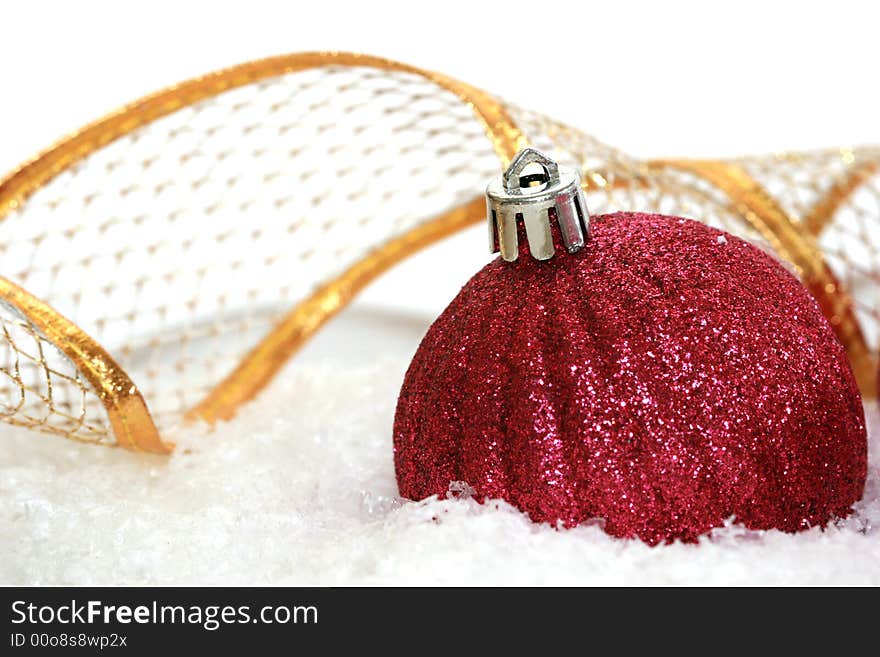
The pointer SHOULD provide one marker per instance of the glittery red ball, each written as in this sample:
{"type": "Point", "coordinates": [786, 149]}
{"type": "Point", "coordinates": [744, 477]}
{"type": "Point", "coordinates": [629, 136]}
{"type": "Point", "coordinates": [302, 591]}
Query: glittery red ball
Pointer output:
{"type": "Point", "coordinates": [665, 378]}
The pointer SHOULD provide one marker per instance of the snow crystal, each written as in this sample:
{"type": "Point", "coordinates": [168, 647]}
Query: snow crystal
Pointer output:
{"type": "Point", "coordinates": [300, 489]}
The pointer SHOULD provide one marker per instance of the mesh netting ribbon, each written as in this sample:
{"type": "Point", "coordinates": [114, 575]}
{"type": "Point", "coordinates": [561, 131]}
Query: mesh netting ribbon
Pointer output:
{"type": "Point", "coordinates": [165, 262]}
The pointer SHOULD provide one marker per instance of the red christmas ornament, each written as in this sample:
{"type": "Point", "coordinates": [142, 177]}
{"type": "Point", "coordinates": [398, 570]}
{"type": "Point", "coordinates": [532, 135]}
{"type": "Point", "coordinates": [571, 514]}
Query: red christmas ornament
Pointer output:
{"type": "Point", "coordinates": [657, 373]}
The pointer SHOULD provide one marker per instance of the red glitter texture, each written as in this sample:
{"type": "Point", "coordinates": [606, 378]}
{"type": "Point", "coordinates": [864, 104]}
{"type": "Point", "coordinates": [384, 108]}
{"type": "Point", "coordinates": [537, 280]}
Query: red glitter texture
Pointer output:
{"type": "Point", "coordinates": [665, 378]}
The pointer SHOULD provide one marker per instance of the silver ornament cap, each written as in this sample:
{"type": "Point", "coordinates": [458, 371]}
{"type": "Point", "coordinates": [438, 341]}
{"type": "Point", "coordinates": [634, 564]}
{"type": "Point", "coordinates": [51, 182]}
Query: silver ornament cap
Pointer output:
{"type": "Point", "coordinates": [551, 193]}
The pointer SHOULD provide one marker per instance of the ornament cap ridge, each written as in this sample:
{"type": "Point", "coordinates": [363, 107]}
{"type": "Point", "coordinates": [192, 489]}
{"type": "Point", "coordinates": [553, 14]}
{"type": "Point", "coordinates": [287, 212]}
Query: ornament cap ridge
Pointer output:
{"type": "Point", "coordinates": [536, 199]}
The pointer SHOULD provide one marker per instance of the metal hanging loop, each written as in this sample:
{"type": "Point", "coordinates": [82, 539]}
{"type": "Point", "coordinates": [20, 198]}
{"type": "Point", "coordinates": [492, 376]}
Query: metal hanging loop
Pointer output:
{"type": "Point", "coordinates": [513, 178]}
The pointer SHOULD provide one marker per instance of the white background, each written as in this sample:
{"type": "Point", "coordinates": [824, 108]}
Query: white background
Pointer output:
{"type": "Point", "coordinates": [654, 78]}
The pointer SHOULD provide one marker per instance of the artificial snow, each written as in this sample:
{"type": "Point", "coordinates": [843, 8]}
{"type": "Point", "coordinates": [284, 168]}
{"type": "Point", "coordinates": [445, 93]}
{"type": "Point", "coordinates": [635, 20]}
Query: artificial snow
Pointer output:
{"type": "Point", "coordinates": [299, 489]}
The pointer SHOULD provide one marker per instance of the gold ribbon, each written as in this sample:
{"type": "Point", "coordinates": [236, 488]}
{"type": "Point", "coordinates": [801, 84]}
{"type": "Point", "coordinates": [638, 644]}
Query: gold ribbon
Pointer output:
{"type": "Point", "coordinates": [128, 414]}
